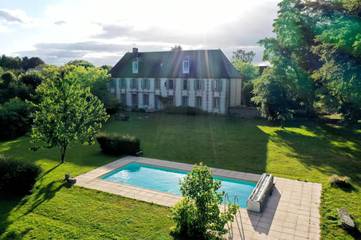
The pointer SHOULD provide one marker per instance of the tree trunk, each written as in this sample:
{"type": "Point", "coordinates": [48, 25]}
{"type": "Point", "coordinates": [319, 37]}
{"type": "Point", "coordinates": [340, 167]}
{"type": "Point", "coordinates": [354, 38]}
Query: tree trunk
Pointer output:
{"type": "Point", "coordinates": [62, 153]}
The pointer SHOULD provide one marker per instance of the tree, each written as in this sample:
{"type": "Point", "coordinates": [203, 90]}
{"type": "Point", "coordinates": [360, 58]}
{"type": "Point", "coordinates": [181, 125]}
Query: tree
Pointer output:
{"type": "Point", "coordinates": [80, 62]}
{"type": "Point", "coordinates": [197, 215]}
{"type": "Point", "coordinates": [28, 63]}
{"type": "Point", "coordinates": [249, 72]}
{"type": "Point", "coordinates": [10, 87]}
{"type": "Point", "coordinates": [243, 55]}
{"type": "Point", "coordinates": [176, 48]}
{"type": "Point", "coordinates": [10, 62]}
{"type": "Point", "coordinates": [67, 112]}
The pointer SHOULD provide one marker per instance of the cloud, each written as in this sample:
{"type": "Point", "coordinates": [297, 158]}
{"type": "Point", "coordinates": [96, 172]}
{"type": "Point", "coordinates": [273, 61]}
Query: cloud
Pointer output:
{"type": "Point", "coordinates": [13, 16]}
{"type": "Point", "coordinates": [99, 53]}
{"type": "Point", "coordinates": [9, 17]}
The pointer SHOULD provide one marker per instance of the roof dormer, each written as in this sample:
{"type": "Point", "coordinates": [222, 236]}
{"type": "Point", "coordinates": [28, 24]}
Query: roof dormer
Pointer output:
{"type": "Point", "coordinates": [135, 66]}
{"type": "Point", "coordinates": [186, 66]}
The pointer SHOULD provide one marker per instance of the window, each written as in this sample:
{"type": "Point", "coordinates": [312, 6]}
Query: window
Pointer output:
{"type": "Point", "coordinates": [186, 66]}
{"type": "Point", "coordinates": [199, 102]}
{"type": "Point", "coordinates": [123, 83]}
{"type": "Point", "coordinates": [170, 84]}
{"type": "Point", "coordinates": [157, 83]}
{"type": "Point", "coordinates": [217, 85]}
{"type": "Point", "coordinates": [198, 84]}
{"type": "Point", "coordinates": [123, 99]}
{"type": "Point", "coordinates": [185, 84]}
{"type": "Point", "coordinates": [184, 101]}
{"type": "Point", "coordinates": [145, 84]}
{"type": "Point", "coordinates": [145, 99]}
{"type": "Point", "coordinates": [134, 100]}
{"type": "Point", "coordinates": [134, 84]}
{"type": "Point", "coordinates": [135, 66]}
{"type": "Point", "coordinates": [216, 103]}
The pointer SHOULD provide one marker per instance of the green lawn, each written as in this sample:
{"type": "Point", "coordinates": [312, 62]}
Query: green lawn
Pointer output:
{"type": "Point", "coordinates": [304, 151]}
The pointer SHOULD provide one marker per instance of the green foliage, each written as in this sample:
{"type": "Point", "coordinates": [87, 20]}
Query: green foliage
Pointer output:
{"type": "Point", "coordinates": [10, 62]}
{"type": "Point", "coordinates": [17, 177]}
{"type": "Point", "coordinates": [10, 87]}
{"type": "Point", "coordinates": [16, 63]}
{"type": "Point", "coordinates": [197, 215]}
{"type": "Point", "coordinates": [243, 56]}
{"type": "Point", "coordinates": [117, 145]}
{"type": "Point", "coordinates": [15, 119]}
{"type": "Point", "coordinates": [82, 63]}
{"type": "Point", "coordinates": [31, 79]}
{"type": "Point", "coordinates": [317, 51]}
{"type": "Point", "coordinates": [247, 70]}
{"type": "Point", "coordinates": [97, 79]}
{"type": "Point", "coordinates": [272, 98]}
{"type": "Point", "coordinates": [68, 111]}
{"type": "Point", "coordinates": [29, 63]}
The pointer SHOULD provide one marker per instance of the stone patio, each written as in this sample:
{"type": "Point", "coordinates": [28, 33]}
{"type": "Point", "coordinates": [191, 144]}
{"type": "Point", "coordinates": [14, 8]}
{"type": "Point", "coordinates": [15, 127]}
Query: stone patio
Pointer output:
{"type": "Point", "coordinates": [292, 212]}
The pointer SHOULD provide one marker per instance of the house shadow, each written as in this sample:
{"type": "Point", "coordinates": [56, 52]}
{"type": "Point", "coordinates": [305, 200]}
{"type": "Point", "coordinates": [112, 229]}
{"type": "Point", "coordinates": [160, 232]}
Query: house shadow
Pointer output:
{"type": "Point", "coordinates": [262, 222]}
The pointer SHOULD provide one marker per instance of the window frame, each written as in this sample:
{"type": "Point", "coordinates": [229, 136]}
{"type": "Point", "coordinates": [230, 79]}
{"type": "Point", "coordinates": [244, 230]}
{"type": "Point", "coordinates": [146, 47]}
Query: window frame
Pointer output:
{"type": "Point", "coordinates": [135, 66]}
{"type": "Point", "coordinates": [146, 97]}
{"type": "Point", "coordinates": [186, 66]}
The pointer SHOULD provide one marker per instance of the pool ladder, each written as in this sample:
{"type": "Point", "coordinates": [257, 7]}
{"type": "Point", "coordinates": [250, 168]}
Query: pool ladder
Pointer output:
{"type": "Point", "coordinates": [238, 218]}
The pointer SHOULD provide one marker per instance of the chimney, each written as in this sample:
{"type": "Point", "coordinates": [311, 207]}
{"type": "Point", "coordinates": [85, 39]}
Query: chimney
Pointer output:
{"type": "Point", "coordinates": [135, 50]}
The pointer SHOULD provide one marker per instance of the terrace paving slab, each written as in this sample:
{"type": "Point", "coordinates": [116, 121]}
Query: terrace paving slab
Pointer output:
{"type": "Point", "coordinates": [292, 211]}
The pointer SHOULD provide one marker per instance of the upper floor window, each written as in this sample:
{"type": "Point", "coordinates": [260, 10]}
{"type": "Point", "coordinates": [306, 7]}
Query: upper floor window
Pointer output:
{"type": "Point", "coordinates": [185, 84]}
{"type": "Point", "coordinates": [157, 83]}
{"type": "Point", "coordinates": [170, 84]}
{"type": "Point", "coordinates": [145, 84]}
{"type": "Point", "coordinates": [217, 85]}
{"type": "Point", "coordinates": [135, 66]}
{"type": "Point", "coordinates": [198, 84]}
{"type": "Point", "coordinates": [123, 83]}
{"type": "Point", "coordinates": [186, 66]}
{"type": "Point", "coordinates": [134, 84]}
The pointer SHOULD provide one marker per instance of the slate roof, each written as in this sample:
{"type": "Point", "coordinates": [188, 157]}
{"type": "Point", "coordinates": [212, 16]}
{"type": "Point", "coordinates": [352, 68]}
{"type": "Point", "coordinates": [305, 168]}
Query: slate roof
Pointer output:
{"type": "Point", "coordinates": [168, 64]}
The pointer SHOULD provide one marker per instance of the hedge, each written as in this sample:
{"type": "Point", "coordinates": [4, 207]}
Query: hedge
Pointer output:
{"type": "Point", "coordinates": [117, 145]}
{"type": "Point", "coordinates": [17, 177]}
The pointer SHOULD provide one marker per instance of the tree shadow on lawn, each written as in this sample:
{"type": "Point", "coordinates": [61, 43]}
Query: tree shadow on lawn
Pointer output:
{"type": "Point", "coordinates": [78, 154]}
{"type": "Point", "coordinates": [330, 150]}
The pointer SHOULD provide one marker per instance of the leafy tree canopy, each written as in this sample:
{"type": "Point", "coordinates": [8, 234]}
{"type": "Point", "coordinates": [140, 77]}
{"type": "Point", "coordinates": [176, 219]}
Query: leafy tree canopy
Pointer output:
{"type": "Point", "coordinates": [67, 112]}
{"type": "Point", "coordinates": [81, 62]}
{"type": "Point", "coordinates": [243, 56]}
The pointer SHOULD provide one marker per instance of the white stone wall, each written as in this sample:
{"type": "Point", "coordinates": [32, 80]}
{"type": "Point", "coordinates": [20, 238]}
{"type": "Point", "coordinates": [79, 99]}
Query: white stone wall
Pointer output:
{"type": "Point", "coordinates": [207, 93]}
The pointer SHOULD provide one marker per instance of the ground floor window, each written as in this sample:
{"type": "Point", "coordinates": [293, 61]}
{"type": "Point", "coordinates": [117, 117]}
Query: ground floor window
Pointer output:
{"type": "Point", "coordinates": [199, 102]}
{"type": "Point", "coordinates": [157, 102]}
{"type": "Point", "coordinates": [216, 103]}
{"type": "Point", "coordinates": [184, 101]}
{"type": "Point", "coordinates": [134, 100]}
{"type": "Point", "coordinates": [145, 99]}
{"type": "Point", "coordinates": [123, 99]}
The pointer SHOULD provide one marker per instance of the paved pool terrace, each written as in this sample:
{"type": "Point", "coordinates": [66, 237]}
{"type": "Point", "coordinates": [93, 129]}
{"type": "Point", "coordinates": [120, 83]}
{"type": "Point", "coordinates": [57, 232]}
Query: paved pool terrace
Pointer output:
{"type": "Point", "coordinates": [292, 212]}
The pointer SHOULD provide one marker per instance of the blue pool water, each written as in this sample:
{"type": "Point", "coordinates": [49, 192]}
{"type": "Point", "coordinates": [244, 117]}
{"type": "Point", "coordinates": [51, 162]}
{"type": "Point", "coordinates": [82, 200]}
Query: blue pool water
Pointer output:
{"type": "Point", "coordinates": [167, 180]}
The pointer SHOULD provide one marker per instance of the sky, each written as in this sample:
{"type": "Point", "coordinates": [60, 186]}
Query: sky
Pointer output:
{"type": "Point", "coordinates": [101, 31]}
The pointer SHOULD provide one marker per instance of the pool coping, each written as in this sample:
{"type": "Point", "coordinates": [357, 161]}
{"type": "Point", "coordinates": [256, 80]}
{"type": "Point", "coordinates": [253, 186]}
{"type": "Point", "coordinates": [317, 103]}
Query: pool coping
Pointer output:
{"type": "Point", "coordinates": [93, 180]}
{"type": "Point", "coordinates": [292, 211]}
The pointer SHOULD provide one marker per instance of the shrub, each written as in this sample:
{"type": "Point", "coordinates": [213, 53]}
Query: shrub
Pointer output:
{"type": "Point", "coordinates": [118, 144]}
{"type": "Point", "coordinates": [17, 177]}
{"type": "Point", "coordinates": [183, 110]}
{"type": "Point", "coordinates": [340, 181]}
{"type": "Point", "coordinates": [15, 118]}
{"type": "Point", "coordinates": [197, 215]}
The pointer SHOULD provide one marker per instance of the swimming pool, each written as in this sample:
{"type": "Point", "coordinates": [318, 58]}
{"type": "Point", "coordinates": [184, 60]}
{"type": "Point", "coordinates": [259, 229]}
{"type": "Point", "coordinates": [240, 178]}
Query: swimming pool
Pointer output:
{"type": "Point", "coordinates": [167, 180]}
